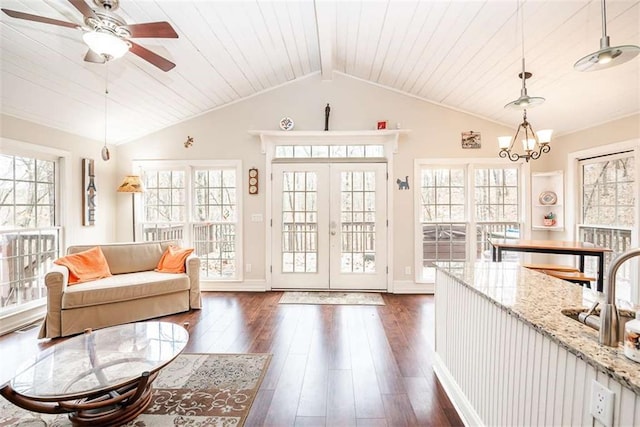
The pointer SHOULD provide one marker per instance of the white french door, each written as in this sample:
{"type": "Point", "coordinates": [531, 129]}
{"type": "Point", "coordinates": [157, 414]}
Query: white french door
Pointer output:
{"type": "Point", "coordinates": [329, 226]}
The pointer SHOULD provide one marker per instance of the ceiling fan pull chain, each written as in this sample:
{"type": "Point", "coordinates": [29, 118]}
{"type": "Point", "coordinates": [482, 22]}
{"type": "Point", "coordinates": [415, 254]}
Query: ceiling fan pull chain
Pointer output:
{"type": "Point", "coordinates": [105, 150]}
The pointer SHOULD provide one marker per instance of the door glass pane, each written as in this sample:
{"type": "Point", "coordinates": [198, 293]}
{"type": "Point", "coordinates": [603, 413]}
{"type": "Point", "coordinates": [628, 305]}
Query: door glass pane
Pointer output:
{"type": "Point", "coordinates": [299, 222]}
{"type": "Point", "coordinates": [357, 213]}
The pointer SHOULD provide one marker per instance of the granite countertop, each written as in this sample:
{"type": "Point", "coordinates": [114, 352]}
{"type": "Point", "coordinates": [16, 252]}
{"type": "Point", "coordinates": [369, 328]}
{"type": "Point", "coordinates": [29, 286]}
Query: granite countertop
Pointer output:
{"type": "Point", "coordinates": [537, 299]}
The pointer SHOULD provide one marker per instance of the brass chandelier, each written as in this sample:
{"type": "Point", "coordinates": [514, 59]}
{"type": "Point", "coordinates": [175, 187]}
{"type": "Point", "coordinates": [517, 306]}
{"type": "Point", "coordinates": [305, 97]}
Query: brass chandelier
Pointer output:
{"type": "Point", "coordinates": [533, 144]}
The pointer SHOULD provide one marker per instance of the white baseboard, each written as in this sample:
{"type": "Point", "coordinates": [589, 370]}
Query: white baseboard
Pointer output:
{"type": "Point", "coordinates": [20, 319]}
{"type": "Point", "coordinates": [466, 412]}
{"type": "Point", "coordinates": [244, 286]}
{"type": "Point", "coordinates": [411, 287]}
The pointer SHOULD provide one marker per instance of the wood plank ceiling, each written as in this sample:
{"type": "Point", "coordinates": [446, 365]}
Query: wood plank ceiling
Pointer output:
{"type": "Point", "coordinates": [462, 54]}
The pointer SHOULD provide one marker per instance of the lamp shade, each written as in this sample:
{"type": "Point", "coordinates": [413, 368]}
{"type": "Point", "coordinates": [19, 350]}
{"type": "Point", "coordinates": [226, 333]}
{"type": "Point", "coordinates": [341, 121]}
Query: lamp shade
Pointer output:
{"type": "Point", "coordinates": [528, 144]}
{"type": "Point", "coordinates": [131, 184]}
{"type": "Point", "coordinates": [544, 136]}
{"type": "Point", "coordinates": [106, 44]}
{"type": "Point", "coordinates": [504, 142]}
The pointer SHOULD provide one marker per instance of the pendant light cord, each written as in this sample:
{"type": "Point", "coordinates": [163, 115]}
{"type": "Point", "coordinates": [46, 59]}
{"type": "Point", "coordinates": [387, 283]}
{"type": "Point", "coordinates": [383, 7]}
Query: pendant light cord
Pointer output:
{"type": "Point", "coordinates": [524, 77]}
{"type": "Point", "coordinates": [106, 93]}
{"type": "Point", "coordinates": [604, 19]}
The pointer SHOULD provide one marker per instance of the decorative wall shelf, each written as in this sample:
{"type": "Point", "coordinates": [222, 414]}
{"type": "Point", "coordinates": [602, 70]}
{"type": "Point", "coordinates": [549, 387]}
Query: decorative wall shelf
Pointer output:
{"type": "Point", "coordinates": [337, 137]}
{"type": "Point", "coordinates": [547, 186]}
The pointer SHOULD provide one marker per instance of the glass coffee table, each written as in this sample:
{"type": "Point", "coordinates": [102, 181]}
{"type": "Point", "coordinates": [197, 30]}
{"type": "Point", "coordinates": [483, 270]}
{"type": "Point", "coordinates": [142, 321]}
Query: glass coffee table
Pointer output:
{"type": "Point", "coordinates": [101, 377]}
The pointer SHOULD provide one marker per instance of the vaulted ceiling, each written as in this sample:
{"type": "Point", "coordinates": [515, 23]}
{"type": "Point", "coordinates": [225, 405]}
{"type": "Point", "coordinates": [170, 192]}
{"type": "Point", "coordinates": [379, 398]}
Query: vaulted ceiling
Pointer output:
{"type": "Point", "coordinates": [462, 54]}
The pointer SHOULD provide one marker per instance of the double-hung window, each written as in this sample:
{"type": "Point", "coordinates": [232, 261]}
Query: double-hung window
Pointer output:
{"type": "Point", "coordinates": [197, 203]}
{"type": "Point", "coordinates": [608, 214]}
{"type": "Point", "coordinates": [460, 207]}
{"type": "Point", "coordinates": [29, 235]}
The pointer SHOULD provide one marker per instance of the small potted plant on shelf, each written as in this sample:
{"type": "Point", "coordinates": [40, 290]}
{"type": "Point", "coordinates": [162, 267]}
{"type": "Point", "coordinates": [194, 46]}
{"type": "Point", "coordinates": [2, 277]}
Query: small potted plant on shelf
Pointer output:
{"type": "Point", "coordinates": [549, 219]}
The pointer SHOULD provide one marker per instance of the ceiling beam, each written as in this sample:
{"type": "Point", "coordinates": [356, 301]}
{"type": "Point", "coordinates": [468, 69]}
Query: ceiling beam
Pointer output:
{"type": "Point", "coordinates": [326, 25]}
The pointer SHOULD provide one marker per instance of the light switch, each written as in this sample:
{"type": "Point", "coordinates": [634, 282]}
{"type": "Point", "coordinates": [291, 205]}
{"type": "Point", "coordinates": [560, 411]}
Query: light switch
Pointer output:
{"type": "Point", "coordinates": [256, 217]}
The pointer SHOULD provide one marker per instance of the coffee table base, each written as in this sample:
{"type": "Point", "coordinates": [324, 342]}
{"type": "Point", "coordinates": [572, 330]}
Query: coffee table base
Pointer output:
{"type": "Point", "coordinates": [110, 408]}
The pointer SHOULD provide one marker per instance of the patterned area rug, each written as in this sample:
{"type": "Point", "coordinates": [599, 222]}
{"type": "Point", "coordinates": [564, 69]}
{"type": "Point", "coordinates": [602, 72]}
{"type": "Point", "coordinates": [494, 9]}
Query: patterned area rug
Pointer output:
{"type": "Point", "coordinates": [194, 390]}
{"type": "Point", "coordinates": [342, 298]}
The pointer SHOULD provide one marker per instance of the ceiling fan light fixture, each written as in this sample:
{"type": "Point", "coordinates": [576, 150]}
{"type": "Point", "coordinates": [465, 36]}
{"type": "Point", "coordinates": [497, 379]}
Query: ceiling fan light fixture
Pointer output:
{"type": "Point", "coordinates": [106, 44]}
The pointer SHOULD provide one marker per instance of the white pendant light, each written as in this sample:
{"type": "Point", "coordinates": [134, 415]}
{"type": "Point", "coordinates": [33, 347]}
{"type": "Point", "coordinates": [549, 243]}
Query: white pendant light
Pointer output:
{"type": "Point", "coordinates": [607, 56]}
{"type": "Point", "coordinates": [525, 101]}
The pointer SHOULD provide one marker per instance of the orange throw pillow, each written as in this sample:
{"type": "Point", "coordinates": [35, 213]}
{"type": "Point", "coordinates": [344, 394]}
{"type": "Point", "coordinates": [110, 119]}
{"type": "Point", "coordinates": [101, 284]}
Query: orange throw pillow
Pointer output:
{"type": "Point", "coordinates": [173, 259]}
{"type": "Point", "coordinates": [85, 266]}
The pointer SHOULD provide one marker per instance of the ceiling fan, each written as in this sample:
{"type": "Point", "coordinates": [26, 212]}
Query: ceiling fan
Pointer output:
{"type": "Point", "coordinates": [107, 34]}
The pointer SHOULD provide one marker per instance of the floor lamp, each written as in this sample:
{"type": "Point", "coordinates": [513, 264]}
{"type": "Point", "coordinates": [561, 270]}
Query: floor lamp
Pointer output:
{"type": "Point", "coordinates": [132, 184]}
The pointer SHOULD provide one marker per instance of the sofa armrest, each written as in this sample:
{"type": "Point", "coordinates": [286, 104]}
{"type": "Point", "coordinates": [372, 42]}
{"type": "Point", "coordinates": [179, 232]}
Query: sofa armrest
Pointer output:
{"type": "Point", "coordinates": [56, 281]}
{"type": "Point", "coordinates": [192, 266]}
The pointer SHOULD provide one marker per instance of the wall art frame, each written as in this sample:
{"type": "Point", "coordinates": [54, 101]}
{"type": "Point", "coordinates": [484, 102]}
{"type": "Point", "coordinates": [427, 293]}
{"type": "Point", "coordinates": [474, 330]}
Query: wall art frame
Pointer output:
{"type": "Point", "coordinates": [89, 192]}
{"type": "Point", "coordinates": [471, 139]}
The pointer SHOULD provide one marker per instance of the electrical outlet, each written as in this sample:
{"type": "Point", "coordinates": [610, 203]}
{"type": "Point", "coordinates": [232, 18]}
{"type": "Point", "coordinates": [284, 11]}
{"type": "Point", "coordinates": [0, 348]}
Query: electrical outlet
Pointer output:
{"type": "Point", "coordinates": [247, 268]}
{"type": "Point", "coordinates": [407, 270]}
{"type": "Point", "coordinates": [602, 400]}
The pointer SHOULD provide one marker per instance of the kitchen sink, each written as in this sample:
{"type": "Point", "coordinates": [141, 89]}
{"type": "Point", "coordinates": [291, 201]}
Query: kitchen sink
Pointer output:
{"type": "Point", "coordinates": [593, 320]}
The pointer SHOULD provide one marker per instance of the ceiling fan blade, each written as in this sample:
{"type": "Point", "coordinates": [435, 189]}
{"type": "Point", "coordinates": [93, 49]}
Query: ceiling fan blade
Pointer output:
{"type": "Point", "coordinates": [91, 56]}
{"type": "Point", "coordinates": [84, 9]}
{"type": "Point", "coordinates": [152, 29]}
{"type": "Point", "coordinates": [153, 58]}
{"type": "Point", "coordinates": [37, 18]}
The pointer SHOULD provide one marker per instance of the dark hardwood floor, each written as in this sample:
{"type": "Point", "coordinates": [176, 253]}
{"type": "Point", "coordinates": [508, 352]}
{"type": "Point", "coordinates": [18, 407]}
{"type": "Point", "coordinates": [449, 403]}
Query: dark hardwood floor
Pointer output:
{"type": "Point", "coordinates": [331, 365]}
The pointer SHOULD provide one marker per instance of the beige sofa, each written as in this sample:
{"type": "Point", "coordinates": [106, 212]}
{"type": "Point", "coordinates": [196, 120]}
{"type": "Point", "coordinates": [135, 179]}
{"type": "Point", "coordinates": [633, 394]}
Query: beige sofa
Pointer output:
{"type": "Point", "coordinates": [134, 291]}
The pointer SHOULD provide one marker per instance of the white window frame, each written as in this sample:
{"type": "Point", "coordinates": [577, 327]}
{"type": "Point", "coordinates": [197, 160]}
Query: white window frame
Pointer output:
{"type": "Point", "coordinates": [574, 199]}
{"type": "Point", "coordinates": [469, 166]}
{"type": "Point", "coordinates": [189, 166]}
{"type": "Point", "coordinates": [34, 310]}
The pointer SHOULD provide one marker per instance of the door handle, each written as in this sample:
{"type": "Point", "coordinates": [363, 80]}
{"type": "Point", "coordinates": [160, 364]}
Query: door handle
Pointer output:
{"type": "Point", "coordinates": [333, 233]}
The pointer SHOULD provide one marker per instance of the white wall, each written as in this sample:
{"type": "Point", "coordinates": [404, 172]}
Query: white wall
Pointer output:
{"type": "Point", "coordinates": [106, 181]}
{"type": "Point", "coordinates": [222, 134]}
{"type": "Point", "coordinates": [625, 129]}
{"type": "Point", "coordinates": [355, 105]}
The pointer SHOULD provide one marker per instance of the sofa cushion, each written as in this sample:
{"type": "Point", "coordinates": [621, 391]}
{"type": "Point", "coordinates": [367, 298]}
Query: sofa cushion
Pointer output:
{"type": "Point", "coordinates": [173, 260]}
{"type": "Point", "coordinates": [123, 287]}
{"type": "Point", "coordinates": [128, 257]}
{"type": "Point", "coordinates": [85, 266]}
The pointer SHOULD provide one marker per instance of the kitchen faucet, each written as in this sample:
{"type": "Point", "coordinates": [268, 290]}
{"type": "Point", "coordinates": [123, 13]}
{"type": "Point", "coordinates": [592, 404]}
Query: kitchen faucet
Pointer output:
{"type": "Point", "coordinates": [609, 316]}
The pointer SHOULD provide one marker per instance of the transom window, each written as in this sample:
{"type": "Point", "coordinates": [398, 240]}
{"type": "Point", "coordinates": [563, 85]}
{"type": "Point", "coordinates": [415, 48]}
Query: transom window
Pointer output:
{"type": "Point", "coordinates": [328, 151]}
